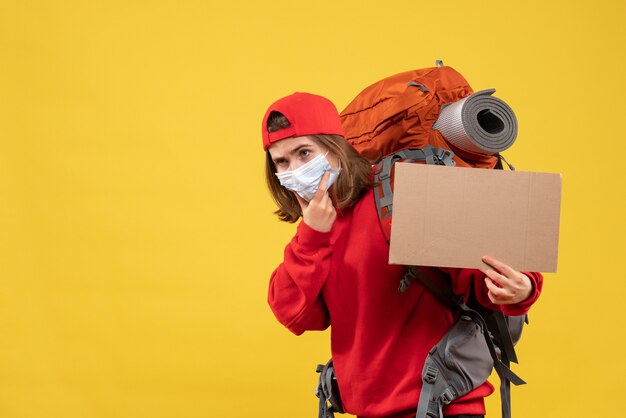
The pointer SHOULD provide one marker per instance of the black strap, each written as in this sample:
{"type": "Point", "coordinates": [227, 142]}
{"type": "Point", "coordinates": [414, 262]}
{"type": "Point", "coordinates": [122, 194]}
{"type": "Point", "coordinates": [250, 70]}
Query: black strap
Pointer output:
{"type": "Point", "coordinates": [323, 411]}
{"type": "Point", "coordinates": [327, 391]}
{"type": "Point", "coordinates": [504, 337]}
{"type": "Point", "coordinates": [505, 398]}
{"type": "Point", "coordinates": [433, 279]}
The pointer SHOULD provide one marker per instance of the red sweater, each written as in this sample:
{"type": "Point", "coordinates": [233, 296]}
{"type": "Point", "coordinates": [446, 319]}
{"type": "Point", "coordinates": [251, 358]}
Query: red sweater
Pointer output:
{"type": "Point", "coordinates": [379, 337]}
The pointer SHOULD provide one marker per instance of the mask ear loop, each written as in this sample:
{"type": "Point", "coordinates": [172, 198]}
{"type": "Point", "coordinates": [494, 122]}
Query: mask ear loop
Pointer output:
{"type": "Point", "coordinates": [338, 169]}
{"type": "Point", "coordinates": [335, 171]}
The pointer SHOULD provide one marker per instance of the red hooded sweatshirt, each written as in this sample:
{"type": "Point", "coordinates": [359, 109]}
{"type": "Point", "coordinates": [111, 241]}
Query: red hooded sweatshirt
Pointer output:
{"type": "Point", "coordinates": [379, 336]}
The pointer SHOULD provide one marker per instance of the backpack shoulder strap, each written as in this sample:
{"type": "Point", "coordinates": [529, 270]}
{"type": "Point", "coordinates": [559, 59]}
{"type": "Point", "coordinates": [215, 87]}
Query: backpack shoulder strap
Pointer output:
{"type": "Point", "coordinates": [434, 280]}
{"type": "Point", "coordinates": [383, 194]}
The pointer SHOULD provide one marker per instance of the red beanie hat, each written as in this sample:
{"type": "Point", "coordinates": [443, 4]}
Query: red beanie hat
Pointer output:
{"type": "Point", "coordinates": [308, 114]}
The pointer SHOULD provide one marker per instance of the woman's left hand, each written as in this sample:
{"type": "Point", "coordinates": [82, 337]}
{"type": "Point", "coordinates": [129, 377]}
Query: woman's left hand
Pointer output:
{"type": "Point", "coordinates": [505, 285]}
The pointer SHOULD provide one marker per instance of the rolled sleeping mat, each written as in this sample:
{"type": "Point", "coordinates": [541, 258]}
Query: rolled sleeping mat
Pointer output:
{"type": "Point", "coordinates": [478, 123]}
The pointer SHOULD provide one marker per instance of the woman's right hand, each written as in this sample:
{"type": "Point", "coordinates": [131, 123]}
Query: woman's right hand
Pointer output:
{"type": "Point", "coordinates": [319, 213]}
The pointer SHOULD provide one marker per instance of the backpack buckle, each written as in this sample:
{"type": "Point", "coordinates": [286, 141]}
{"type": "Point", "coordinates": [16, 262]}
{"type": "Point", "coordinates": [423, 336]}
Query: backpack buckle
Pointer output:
{"type": "Point", "coordinates": [447, 396]}
{"type": "Point", "coordinates": [430, 374]}
{"type": "Point", "coordinates": [443, 156]}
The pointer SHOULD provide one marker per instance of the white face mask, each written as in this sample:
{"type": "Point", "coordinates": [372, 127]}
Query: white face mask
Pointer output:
{"type": "Point", "coordinates": [305, 180]}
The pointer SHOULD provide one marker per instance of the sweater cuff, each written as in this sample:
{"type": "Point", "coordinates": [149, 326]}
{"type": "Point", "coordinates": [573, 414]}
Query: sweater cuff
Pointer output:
{"type": "Point", "coordinates": [522, 308]}
{"type": "Point", "coordinates": [310, 238]}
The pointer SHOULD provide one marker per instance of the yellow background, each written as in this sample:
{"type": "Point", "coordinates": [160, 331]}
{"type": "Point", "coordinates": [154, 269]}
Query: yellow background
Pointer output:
{"type": "Point", "coordinates": [136, 234]}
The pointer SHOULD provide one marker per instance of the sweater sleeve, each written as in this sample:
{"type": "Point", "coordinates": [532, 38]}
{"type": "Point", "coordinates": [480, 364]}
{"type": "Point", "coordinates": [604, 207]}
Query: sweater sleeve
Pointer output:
{"type": "Point", "coordinates": [462, 279]}
{"type": "Point", "coordinates": [295, 286]}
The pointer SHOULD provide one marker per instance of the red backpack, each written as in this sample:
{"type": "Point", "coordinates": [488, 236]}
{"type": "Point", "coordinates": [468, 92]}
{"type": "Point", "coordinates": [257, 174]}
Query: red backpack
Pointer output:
{"type": "Point", "coordinates": [393, 120]}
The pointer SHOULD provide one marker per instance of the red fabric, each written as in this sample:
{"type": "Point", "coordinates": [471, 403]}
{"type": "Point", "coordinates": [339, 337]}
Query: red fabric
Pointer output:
{"type": "Point", "coordinates": [379, 337]}
{"type": "Point", "coordinates": [308, 114]}
{"type": "Point", "coordinates": [394, 114]}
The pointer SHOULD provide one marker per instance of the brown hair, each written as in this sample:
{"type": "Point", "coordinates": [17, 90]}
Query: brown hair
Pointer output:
{"type": "Point", "coordinates": [353, 181]}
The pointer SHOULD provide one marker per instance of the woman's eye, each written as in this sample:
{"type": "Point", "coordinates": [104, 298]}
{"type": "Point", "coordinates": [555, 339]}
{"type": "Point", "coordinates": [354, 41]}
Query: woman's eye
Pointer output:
{"type": "Point", "coordinates": [280, 163]}
{"type": "Point", "coordinates": [305, 153]}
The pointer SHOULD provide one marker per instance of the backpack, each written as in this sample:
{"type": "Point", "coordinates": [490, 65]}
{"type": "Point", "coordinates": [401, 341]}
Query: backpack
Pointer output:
{"type": "Point", "coordinates": [404, 118]}
{"type": "Point", "coordinates": [398, 119]}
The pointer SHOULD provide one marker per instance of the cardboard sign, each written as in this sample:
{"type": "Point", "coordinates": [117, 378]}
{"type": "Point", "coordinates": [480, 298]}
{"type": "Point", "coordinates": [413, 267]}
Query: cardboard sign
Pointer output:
{"type": "Point", "coordinates": [452, 216]}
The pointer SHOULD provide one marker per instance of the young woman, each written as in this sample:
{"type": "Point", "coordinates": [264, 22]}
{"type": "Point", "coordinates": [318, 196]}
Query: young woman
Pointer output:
{"type": "Point", "coordinates": [335, 270]}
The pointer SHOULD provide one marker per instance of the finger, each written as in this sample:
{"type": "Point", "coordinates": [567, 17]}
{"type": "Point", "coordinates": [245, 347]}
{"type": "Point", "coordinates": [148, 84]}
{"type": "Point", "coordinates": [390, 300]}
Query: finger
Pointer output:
{"type": "Point", "coordinates": [303, 203]}
{"type": "Point", "coordinates": [494, 288]}
{"type": "Point", "coordinates": [325, 204]}
{"type": "Point", "coordinates": [490, 286]}
{"type": "Point", "coordinates": [325, 200]}
{"type": "Point", "coordinates": [496, 277]}
{"type": "Point", "coordinates": [495, 293]}
{"type": "Point", "coordinates": [504, 269]}
{"type": "Point", "coordinates": [324, 180]}
{"type": "Point", "coordinates": [321, 189]}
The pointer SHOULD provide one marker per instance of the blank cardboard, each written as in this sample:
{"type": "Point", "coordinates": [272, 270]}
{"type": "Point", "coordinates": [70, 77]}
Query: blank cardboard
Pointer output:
{"type": "Point", "coordinates": [452, 216]}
